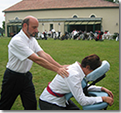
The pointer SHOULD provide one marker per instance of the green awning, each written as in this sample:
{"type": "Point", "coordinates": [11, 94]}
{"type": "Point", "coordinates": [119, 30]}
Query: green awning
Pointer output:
{"type": "Point", "coordinates": [97, 22]}
{"type": "Point", "coordinates": [14, 24]}
{"type": "Point", "coordinates": [91, 23]}
{"type": "Point", "coordinates": [83, 21]}
{"type": "Point", "coordinates": [77, 23]}
{"type": "Point", "coordinates": [71, 23]}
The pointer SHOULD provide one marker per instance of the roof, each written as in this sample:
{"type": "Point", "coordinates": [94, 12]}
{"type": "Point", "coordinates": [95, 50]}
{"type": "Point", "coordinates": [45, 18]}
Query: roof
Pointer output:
{"type": "Point", "coordinates": [27, 5]}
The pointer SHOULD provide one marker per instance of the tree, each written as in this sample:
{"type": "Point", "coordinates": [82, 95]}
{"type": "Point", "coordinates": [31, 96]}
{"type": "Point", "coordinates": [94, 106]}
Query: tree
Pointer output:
{"type": "Point", "coordinates": [110, 0]}
{"type": "Point", "coordinates": [115, 1]}
{"type": "Point", "coordinates": [3, 25]}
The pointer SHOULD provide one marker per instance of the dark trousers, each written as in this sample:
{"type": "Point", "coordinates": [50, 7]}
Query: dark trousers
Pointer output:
{"type": "Point", "coordinates": [48, 106]}
{"type": "Point", "coordinates": [15, 84]}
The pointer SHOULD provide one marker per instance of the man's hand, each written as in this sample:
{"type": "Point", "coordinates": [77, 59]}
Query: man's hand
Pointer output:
{"type": "Point", "coordinates": [63, 72]}
{"type": "Point", "coordinates": [65, 66]}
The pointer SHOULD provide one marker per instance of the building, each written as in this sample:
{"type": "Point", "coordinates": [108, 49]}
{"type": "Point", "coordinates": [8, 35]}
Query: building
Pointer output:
{"type": "Point", "coordinates": [64, 15]}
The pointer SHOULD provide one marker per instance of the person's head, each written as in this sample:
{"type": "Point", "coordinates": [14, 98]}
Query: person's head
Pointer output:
{"type": "Point", "coordinates": [30, 25]}
{"type": "Point", "coordinates": [90, 63]}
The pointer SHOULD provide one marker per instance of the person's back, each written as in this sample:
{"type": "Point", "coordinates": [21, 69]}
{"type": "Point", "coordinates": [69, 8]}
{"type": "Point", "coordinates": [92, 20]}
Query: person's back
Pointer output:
{"type": "Point", "coordinates": [58, 85]}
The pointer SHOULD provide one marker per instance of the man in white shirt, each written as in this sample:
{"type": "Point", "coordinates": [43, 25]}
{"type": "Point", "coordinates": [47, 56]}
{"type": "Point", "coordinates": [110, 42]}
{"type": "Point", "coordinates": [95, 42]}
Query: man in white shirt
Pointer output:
{"type": "Point", "coordinates": [23, 50]}
{"type": "Point", "coordinates": [53, 33]}
{"type": "Point", "coordinates": [52, 98]}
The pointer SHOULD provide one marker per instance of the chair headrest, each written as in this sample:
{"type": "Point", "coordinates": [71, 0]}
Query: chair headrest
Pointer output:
{"type": "Point", "coordinates": [105, 66]}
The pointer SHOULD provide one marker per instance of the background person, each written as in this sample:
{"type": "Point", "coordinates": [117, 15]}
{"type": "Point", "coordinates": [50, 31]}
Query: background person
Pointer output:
{"type": "Point", "coordinates": [23, 50]}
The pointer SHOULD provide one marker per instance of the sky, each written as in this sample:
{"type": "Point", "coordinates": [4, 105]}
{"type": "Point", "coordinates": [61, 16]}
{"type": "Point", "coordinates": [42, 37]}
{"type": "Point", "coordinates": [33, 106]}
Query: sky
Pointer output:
{"type": "Point", "coordinates": [4, 4]}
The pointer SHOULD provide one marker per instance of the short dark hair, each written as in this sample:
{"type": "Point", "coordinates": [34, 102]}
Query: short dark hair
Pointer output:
{"type": "Point", "coordinates": [92, 60]}
{"type": "Point", "coordinates": [26, 20]}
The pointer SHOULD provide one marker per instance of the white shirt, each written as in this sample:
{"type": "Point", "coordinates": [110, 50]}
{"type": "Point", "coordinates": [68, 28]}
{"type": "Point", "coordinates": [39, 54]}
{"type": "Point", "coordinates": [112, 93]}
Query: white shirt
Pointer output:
{"type": "Point", "coordinates": [75, 32]}
{"type": "Point", "coordinates": [19, 49]}
{"type": "Point", "coordinates": [70, 84]}
{"type": "Point", "coordinates": [53, 30]}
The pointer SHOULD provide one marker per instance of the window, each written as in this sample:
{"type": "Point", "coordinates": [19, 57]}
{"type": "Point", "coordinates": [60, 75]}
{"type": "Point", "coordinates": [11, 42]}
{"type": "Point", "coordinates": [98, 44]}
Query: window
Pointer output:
{"type": "Point", "coordinates": [16, 18]}
{"type": "Point", "coordinates": [75, 16]}
{"type": "Point", "coordinates": [92, 16]}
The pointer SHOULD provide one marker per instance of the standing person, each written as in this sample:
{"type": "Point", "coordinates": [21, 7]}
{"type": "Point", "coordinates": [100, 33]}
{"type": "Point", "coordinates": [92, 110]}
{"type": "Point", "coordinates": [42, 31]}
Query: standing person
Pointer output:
{"type": "Point", "coordinates": [99, 36]}
{"type": "Point", "coordinates": [49, 33]}
{"type": "Point", "coordinates": [38, 36]}
{"type": "Point", "coordinates": [23, 50]}
{"type": "Point", "coordinates": [74, 32]}
{"type": "Point", "coordinates": [45, 35]}
{"type": "Point", "coordinates": [52, 98]}
{"type": "Point", "coordinates": [53, 33]}
{"type": "Point", "coordinates": [59, 33]}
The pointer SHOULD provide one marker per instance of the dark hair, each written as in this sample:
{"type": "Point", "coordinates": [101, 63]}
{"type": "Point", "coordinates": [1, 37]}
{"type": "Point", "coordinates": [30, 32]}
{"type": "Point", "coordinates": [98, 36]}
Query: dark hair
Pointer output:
{"type": "Point", "coordinates": [26, 20]}
{"type": "Point", "coordinates": [92, 60]}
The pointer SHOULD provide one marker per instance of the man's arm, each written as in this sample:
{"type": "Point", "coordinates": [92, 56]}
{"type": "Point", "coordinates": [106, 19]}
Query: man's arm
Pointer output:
{"type": "Point", "coordinates": [50, 59]}
{"type": "Point", "coordinates": [46, 56]}
{"type": "Point", "coordinates": [48, 65]}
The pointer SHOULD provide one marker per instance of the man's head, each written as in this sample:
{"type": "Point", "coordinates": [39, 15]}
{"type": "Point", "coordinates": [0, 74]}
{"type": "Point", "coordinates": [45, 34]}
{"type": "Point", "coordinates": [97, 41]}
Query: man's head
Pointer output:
{"type": "Point", "coordinates": [90, 63]}
{"type": "Point", "coordinates": [30, 25]}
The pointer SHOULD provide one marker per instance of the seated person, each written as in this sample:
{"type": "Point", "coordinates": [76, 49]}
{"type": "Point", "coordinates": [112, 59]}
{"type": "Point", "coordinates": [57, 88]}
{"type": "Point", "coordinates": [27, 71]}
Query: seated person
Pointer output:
{"type": "Point", "coordinates": [52, 98]}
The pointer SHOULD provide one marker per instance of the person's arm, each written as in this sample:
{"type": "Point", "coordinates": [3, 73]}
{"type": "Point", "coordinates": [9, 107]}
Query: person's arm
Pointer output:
{"type": "Point", "coordinates": [48, 58]}
{"type": "Point", "coordinates": [94, 88]}
{"type": "Point", "coordinates": [48, 65]}
{"type": "Point", "coordinates": [107, 91]}
{"type": "Point", "coordinates": [98, 88]}
{"type": "Point", "coordinates": [109, 99]}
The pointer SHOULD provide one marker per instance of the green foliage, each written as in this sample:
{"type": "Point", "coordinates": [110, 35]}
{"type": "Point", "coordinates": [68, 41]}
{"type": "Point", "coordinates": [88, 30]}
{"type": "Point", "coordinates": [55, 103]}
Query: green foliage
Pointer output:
{"type": "Point", "coordinates": [67, 52]}
{"type": "Point", "coordinates": [115, 1]}
{"type": "Point", "coordinates": [110, 0]}
{"type": "Point", "coordinates": [3, 25]}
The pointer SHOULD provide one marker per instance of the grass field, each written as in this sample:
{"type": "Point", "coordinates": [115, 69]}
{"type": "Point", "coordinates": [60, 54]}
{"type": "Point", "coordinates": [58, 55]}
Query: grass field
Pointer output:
{"type": "Point", "coordinates": [67, 52]}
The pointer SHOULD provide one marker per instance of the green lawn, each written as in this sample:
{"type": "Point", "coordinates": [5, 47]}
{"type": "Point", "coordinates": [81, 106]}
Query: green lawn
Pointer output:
{"type": "Point", "coordinates": [67, 52]}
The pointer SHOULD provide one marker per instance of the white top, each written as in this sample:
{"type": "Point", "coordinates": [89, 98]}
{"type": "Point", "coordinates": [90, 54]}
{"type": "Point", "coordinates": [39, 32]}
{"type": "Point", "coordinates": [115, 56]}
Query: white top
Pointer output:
{"type": "Point", "coordinates": [70, 84]}
{"type": "Point", "coordinates": [19, 49]}
{"type": "Point", "coordinates": [53, 30]}
{"type": "Point", "coordinates": [75, 32]}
